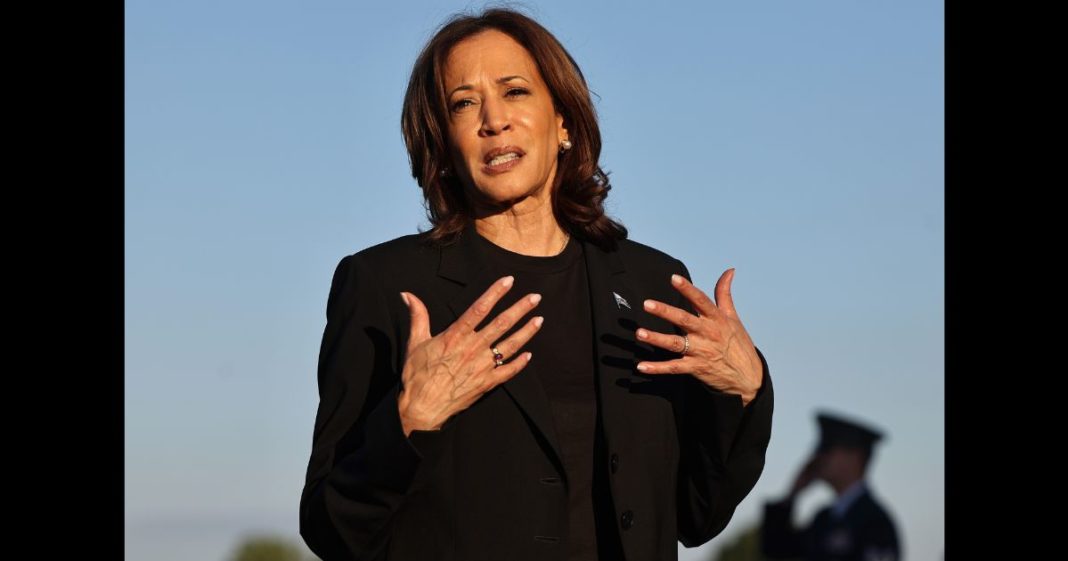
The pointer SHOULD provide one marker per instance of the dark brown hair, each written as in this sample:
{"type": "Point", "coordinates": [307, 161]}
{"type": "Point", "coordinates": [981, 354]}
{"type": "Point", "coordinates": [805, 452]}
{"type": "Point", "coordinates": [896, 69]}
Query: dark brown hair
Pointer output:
{"type": "Point", "coordinates": [580, 185]}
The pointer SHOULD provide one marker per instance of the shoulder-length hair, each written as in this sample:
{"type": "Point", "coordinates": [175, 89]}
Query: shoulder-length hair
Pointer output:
{"type": "Point", "coordinates": [580, 185]}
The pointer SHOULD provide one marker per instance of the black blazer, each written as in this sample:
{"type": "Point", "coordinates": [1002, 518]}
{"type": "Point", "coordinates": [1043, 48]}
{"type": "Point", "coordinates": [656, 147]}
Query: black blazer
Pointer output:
{"type": "Point", "coordinates": [490, 484]}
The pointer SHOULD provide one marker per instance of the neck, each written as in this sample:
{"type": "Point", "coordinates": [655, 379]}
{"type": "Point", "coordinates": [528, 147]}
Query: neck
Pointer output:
{"type": "Point", "coordinates": [527, 229]}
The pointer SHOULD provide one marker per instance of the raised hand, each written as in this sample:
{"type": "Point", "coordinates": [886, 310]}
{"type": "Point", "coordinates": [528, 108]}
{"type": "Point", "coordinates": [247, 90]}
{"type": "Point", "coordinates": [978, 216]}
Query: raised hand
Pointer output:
{"type": "Point", "coordinates": [719, 351]}
{"type": "Point", "coordinates": [448, 372]}
{"type": "Point", "coordinates": [805, 476]}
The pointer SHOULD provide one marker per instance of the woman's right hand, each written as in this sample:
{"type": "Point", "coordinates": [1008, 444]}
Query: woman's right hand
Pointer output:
{"type": "Point", "coordinates": [448, 372]}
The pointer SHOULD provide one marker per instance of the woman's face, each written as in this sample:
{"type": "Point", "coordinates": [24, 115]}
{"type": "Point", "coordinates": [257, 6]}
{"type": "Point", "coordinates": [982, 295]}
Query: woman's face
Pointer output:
{"type": "Point", "coordinates": [503, 130]}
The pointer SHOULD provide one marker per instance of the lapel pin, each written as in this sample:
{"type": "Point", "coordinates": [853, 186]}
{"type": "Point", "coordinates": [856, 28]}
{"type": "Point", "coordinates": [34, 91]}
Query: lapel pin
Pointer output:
{"type": "Point", "coordinates": [620, 301]}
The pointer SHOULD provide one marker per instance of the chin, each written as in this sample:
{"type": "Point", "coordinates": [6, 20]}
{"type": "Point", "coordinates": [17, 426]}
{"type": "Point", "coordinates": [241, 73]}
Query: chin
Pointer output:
{"type": "Point", "coordinates": [506, 194]}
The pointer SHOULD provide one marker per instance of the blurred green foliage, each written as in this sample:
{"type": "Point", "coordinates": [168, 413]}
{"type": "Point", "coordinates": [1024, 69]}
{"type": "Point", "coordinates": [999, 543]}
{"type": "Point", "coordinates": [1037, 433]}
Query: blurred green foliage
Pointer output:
{"type": "Point", "coordinates": [744, 547]}
{"type": "Point", "coordinates": [270, 548]}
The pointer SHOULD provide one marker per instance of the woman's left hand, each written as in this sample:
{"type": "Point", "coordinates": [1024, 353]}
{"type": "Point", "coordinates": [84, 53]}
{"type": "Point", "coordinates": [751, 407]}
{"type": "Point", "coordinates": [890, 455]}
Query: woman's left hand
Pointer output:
{"type": "Point", "coordinates": [720, 352]}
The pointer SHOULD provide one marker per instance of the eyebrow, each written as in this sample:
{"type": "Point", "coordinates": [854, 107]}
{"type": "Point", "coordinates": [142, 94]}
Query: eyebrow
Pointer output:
{"type": "Point", "coordinates": [500, 80]}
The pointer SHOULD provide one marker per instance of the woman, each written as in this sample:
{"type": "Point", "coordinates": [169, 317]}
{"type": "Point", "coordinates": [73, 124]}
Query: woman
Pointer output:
{"type": "Point", "coordinates": [456, 424]}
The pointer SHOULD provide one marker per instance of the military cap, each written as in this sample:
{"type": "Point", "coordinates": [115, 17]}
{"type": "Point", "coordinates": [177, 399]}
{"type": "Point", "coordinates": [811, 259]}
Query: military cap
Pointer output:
{"type": "Point", "coordinates": [836, 430]}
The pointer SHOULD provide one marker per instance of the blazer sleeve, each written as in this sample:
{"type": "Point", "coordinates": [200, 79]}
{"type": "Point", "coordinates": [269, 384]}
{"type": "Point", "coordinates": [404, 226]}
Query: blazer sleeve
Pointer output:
{"type": "Point", "coordinates": [361, 463]}
{"type": "Point", "coordinates": [722, 450]}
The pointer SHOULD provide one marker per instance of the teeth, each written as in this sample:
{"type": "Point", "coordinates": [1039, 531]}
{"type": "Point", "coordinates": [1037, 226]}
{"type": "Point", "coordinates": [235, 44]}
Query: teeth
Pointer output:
{"type": "Point", "coordinates": [503, 158]}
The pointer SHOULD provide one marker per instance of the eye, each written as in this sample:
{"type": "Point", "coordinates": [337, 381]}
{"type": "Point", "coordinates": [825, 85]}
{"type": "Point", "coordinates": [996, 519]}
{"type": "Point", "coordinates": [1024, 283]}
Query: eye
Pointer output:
{"type": "Point", "coordinates": [461, 104]}
{"type": "Point", "coordinates": [517, 91]}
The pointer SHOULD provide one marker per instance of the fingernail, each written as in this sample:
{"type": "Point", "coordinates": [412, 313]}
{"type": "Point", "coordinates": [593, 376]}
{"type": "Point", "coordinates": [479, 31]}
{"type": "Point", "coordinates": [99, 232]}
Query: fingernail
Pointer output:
{"type": "Point", "coordinates": [642, 334]}
{"type": "Point", "coordinates": [405, 298]}
{"type": "Point", "coordinates": [529, 356]}
{"type": "Point", "coordinates": [676, 279]}
{"type": "Point", "coordinates": [643, 367]}
{"type": "Point", "coordinates": [650, 305]}
{"type": "Point", "coordinates": [535, 298]}
{"type": "Point", "coordinates": [509, 280]}
{"type": "Point", "coordinates": [538, 321]}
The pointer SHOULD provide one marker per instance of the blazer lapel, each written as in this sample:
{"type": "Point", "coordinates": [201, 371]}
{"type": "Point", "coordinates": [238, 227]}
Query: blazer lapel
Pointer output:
{"type": "Point", "coordinates": [463, 262]}
{"type": "Point", "coordinates": [617, 309]}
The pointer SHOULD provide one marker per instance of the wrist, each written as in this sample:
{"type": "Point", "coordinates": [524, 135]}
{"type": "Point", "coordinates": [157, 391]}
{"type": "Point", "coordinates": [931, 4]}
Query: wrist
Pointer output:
{"type": "Point", "coordinates": [409, 422]}
{"type": "Point", "coordinates": [402, 411]}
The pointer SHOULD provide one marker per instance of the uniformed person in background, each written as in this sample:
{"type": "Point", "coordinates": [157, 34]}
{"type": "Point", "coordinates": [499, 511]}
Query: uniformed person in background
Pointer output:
{"type": "Point", "coordinates": [856, 527]}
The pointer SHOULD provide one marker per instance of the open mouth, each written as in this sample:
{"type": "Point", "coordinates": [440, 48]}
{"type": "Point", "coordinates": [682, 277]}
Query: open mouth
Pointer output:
{"type": "Point", "coordinates": [502, 159]}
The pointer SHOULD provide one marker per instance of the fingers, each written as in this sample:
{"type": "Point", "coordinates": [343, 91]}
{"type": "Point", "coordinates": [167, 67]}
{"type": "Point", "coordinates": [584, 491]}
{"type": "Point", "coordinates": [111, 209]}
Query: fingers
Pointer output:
{"type": "Point", "coordinates": [670, 342]}
{"type": "Point", "coordinates": [678, 366]}
{"type": "Point", "coordinates": [512, 344]}
{"type": "Point", "coordinates": [481, 307]}
{"type": "Point", "coordinates": [420, 319]}
{"type": "Point", "coordinates": [687, 321]}
{"type": "Point", "coordinates": [723, 292]}
{"type": "Point", "coordinates": [701, 302]}
{"type": "Point", "coordinates": [506, 319]}
{"type": "Point", "coordinates": [489, 375]}
{"type": "Point", "coordinates": [508, 370]}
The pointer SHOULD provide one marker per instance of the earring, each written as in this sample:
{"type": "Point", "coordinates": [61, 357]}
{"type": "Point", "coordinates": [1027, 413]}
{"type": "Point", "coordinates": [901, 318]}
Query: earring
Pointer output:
{"type": "Point", "coordinates": [565, 145]}
{"type": "Point", "coordinates": [444, 172]}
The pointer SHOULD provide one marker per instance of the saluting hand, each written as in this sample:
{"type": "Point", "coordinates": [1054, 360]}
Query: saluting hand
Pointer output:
{"type": "Point", "coordinates": [805, 476]}
{"type": "Point", "coordinates": [448, 372]}
{"type": "Point", "coordinates": [720, 352]}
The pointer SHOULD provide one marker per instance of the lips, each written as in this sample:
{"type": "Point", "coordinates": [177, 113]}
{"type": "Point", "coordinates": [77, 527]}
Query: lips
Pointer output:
{"type": "Point", "coordinates": [501, 151]}
{"type": "Point", "coordinates": [500, 160]}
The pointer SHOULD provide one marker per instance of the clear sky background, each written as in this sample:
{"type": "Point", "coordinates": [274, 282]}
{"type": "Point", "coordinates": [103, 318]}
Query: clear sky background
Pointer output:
{"type": "Point", "coordinates": [800, 142]}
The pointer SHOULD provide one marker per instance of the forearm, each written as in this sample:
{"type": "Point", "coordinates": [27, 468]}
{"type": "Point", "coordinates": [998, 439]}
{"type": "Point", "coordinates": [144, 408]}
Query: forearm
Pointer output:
{"type": "Point", "coordinates": [361, 463]}
{"type": "Point", "coordinates": [348, 502]}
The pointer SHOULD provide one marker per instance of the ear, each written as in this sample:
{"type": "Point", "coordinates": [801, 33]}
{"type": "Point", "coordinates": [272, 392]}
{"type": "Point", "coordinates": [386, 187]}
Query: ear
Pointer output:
{"type": "Point", "coordinates": [561, 131]}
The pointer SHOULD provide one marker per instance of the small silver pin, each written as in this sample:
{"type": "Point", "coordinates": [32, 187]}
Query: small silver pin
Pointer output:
{"type": "Point", "coordinates": [620, 301]}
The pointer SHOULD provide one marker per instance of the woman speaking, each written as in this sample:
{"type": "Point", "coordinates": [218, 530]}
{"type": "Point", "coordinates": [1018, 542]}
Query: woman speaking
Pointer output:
{"type": "Point", "coordinates": [522, 381]}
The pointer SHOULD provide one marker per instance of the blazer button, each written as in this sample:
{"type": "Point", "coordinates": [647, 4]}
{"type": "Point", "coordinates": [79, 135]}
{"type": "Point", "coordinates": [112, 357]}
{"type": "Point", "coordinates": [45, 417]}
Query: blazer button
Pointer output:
{"type": "Point", "coordinates": [627, 520]}
{"type": "Point", "coordinates": [614, 462]}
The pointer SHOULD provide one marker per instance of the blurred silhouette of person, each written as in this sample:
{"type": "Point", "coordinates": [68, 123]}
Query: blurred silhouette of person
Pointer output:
{"type": "Point", "coordinates": [856, 526]}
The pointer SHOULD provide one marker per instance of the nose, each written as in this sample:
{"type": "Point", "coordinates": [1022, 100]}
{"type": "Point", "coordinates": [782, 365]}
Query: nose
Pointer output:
{"type": "Point", "coordinates": [495, 118]}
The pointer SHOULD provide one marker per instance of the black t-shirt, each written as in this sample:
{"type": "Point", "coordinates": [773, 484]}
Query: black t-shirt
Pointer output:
{"type": "Point", "coordinates": [563, 356]}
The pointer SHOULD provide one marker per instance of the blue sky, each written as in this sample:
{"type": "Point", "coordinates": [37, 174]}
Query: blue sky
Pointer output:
{"type": "Point", "coordinates": [800, 142]}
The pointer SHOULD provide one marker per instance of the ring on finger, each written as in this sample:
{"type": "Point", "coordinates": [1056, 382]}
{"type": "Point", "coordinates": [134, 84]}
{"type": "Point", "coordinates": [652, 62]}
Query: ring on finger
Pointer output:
{"type": "Point", "coordinates": [498, 358]}
{"type": "Point", "coordinates": [685, 344]}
